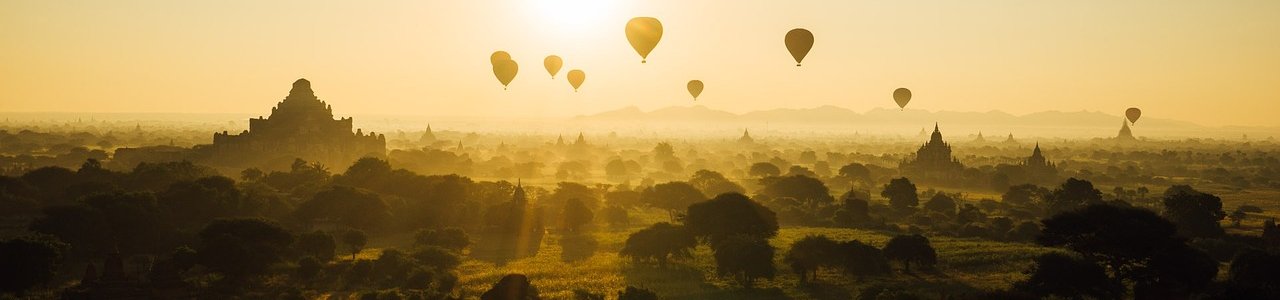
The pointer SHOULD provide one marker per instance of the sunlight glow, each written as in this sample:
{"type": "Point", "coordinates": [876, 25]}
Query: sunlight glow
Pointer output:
{"type": "Point", "coordinates": [572, 16]}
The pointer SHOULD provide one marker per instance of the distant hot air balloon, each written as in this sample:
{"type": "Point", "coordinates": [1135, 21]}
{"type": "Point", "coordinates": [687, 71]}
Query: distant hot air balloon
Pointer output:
{"type": "Point", "coordinates": [575, 78]}
{"type": "Point", "coordinates": [505, 70]}
{"type": "Point", "coordinates": [553, 64]}
{"type": "Point", "coordinates": [644, 34]}
{"type": "Point", "coordinates": [799, 42]}
{"type": "Point", "coordinates": [498, 56]}
{"type": "Point", "coordinates": [1133, 113]}
{"type": "Point", "coordinates": [695, 88]}
{"type": "Point", "coordinates": [902, 96]}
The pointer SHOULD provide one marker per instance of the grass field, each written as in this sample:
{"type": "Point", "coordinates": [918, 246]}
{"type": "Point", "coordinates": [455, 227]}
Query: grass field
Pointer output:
{"type": "Point", "coordinates": [965, 265]}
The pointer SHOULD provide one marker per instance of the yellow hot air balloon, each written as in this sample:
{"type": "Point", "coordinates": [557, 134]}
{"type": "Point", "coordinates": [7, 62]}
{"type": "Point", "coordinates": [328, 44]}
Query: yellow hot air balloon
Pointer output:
{"type": "Point", "coordinates": [552, 63]}
{"type": "Point", "coordinates": [644, 34]}
{"type": "Point", "coordinates": [575, 78]}
{"type": "Point", "coordinates": [902, 96]}
{"type": "Point", "coordinates": [498, 56]}
{"type": "Point", "coordinates": [799, 41]}
{"type": "Point", "coordinates": [1133, 113]}
{"type": "Point", "coordinates": [505, 70]}
{"type": "Point", "coordinates": [695, 88]}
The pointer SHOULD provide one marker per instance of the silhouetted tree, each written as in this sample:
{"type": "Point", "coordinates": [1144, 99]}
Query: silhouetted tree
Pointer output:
{"type": "Point", "coordinates": [238, 248]}
{"type": "Point", "coordinates": [901, 193]}
{"type": "Point", "coordinates": [349, 206]}
{"type": "Point", "coordinates": [616, 216]}
{"type": "Point", "coordinates": [28, 262]}
{"type": "Point", "coordinates": [672, 196]}
{"type": "Point", "coordinates": [1074, 193]}
{"type": "Point", "coordinates": [437, 258]}
{"type": "Point", "coordinates": [1197, 214]}
{"type": "Point", "coordinates": [764, 169]}
{"type": "Point", "coordinates": [855, 172]}
{"type": "Point", "coordinates": [1236, 217]}
{"type": "Point", "coordinates": [803, 188]}
{"type": "Point", "coordinates": [1255, 273]}
{"type": "Point", "coordinates": [451, 238]}
{"type": "Point", "coordinates": [572, 190]}
{"type": "Point", "coordinates": [659, 242]}
{"type": "Point", "coordinates": [355, 240]}
{"type": "Point", "coordinates": [745, 258]}
{"type": "Point", "coordinates": [909, 249]}
{"type": "Point", "coordinates": [309, 268]}
{"type": "Point", "coordinates": [1024, 195]}
{"type": "Point", "coordinates": [714, 183]}
{"type": "Point", "coordinates": [863, 260]}
{"type": "Point", "coordinates": [575, 215]}
{"type": "Point", "coordinates": [811, 252]}
{"type": "Point", "coordinates": [1060, 275]}
{"type": "Point", "coordinates": [941, 203]}
{"type": "Point", "coordinates": [512, 287]}
{"type": "Point", "coordinates": [317, 244]}
{"type": "Point", "coordinates": [730, 214]}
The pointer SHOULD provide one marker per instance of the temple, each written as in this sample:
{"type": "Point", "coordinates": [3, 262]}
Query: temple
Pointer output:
{"type": "Point", "coordinates": [300, 126]}
{"type": "Point", "coordinates": [932, 158]}
{"type": "Point", "coordinates": [1038, 168]}
{"type": "Point", "coordinates": [1125, 134]}
{"type": "Point", "coordinates": [746, 138]}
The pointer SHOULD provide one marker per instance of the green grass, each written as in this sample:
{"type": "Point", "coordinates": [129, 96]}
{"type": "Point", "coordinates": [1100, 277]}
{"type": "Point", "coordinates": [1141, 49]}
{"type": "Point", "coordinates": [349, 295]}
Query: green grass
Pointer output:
{"type": "Point", "coordinates": [965, 265]}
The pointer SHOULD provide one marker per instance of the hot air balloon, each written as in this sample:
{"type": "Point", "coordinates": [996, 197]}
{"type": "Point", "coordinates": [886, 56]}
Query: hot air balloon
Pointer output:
{"type": "Point", "coordinates": [575, 78]}
{"type": "Point", "coordinates": [902, 96]}
{"type": "Point", "coordinates": [505, 70]}
{"type": "Point", "coordinates": [644, 34]}
{"type": "Point", "coordinates": [498, 56]}
{"type": "Point", "coordinates": [799, 41]}
{"type": "Point", "coordinates": [1133, 113]}
{"type": "Point", "coordinates": [553, 64]}
{"type": "Point", "coordinates": [695, 88]}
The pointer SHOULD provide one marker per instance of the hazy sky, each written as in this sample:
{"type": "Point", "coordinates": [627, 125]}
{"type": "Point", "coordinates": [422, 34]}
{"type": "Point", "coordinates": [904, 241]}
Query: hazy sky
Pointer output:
{"type": "Point", "coordinates": [1210, 62]}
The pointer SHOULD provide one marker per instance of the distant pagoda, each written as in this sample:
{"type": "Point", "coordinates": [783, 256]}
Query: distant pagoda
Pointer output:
{"type": "Point", "coordinates": [932, 157]}
{"type": "Point", "coordinates": [300, 126]}
{"type": "Point", "coordinates": [428, 137]}
{"type": "Point", "coordinates": [1010, 140]}
{"type": "Point", "coordinates": [1038, 168]}
{"type": "Point", "coordinates": [1126, 135]}
{"type": "Point", "coordinates": [746, 138]}
{"type": "Point", "coordinates": [979, 139]}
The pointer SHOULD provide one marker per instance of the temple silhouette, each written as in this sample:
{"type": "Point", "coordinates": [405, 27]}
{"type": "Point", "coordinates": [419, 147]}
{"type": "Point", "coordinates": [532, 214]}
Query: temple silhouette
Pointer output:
{"type": "Point", "coordinates": [1038, 168]}
{"type": "Point", "coordinates": [300, 126]}
{"type": "Point", "coordinates": [933, 159]}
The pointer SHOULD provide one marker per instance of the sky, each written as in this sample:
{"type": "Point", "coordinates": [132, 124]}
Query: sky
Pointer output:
{"type": "Point", "coordinates": [1210, 62]}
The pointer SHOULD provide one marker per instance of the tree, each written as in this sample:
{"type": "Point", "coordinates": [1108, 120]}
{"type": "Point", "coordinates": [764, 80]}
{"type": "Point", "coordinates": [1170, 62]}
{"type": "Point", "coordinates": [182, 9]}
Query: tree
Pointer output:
{"type": "Point", "coordinates": [437, 258]}
{"type": "Point", "coordinates": [238, 248]}
{"type": "Point", "coordinates": [745, 258]}
{"type": "Point", "coordinates": [355, 240]}
{"type": "Point", "coordinates": [572, 190]}
{"type": "Point", "coordinates": [909, 249]}
{"type": "Point", "coordinates": [764, 169]}
{"type": "Point", "coordinates": [1236, 217]}
{"type": "Point", "coordinates": [1256, 271]}
{"type": "Point", "coordinates": [575, 215]}
{"type": "Point", "coordinates": [1072, 194]}
{"type": "Point", "coordinates": [451, 238]}
{"type": "Point", "coordinates": [196, 202]}
{"type": "Point", "coordinates": [901, 193]}
{"type": "Point", "coordinates": [863, 260]}
{"type": "Point", "coordinates": [354, 207]}
{"type": "Point", "coordinates": [941, 203]}
{"type": "Point", "coordinates": [659, 242]}
{"type": "Point", "coordinates": [317, 244]}
{"type": "Point", "coordinates": [854, 210]}
{"type": "Point", "coordinates": [855, 172]}
{"type": "Point", "coordinates": [1059, 275]}
{"type": "Point", "coordinates": [251, 174]}
{"type": "Point", "coordinates": [713, 183]}
{"type": "Point", "coordinates": [1197, 214]}
{"type": "Point", "coordinates": [1023, 195]}
{"type": "Point", "coordinates": [512, 287]}
{"type": "Point", "coordinates": [28, 262]}
{"type": "Point", "coordinates": [803, 188]}
{"type": "Point", "coordinates": [616, 216]}
{"type": "Point", "coordinates": [672, 196]}
{"type": "Point", "coordinates": [309, 267]}
{"type": "Point", "coordinates": [811, 252]}
{"type": "Point", "coordinates": [730, 214]}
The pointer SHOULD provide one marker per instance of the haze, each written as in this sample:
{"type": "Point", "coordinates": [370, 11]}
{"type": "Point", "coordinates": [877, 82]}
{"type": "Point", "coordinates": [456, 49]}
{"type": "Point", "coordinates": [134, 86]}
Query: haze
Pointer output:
{"type": "Point", "coordinates": [1201, 61]}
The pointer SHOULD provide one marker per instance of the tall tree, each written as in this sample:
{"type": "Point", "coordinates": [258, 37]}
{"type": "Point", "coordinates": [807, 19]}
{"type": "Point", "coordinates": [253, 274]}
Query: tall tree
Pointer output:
{"type": "Point", "coordinates": [1196, 213]}
{"type": "Point", "coordinates": [901, 193]}
{"type": "Point", "coordinates": [909, 249]}
{"type": "Point", "coordinates": [745, 258]}
{"type": "Point", "coordinates": [730, 214]}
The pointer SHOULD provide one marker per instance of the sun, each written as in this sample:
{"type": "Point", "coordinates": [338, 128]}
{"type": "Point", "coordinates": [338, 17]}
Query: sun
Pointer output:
{"type": "Point", "coordinates": [571, 16]}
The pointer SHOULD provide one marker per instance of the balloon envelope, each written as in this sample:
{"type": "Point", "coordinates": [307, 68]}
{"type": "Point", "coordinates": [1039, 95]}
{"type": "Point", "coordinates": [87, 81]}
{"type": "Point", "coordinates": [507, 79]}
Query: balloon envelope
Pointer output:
{"type": "Point", "coordinates": [695, 88]}
{"type": "Point", "coordinates": [498, 56]}
{"type": "Point", "coordinates": [553, 64]}
{"type": "Point", "coordinates": [902, 96]}
{"type": "Point", "coordinates": [644, 34]}
{"type": "Point", "coordinates": [575, 78]}
{"type": "Point", "coordinates": [799, 42]}
{"type": "Point", "coordinates": [1133, 113]}
{"type": "Point", "coordinates": [505, 70]}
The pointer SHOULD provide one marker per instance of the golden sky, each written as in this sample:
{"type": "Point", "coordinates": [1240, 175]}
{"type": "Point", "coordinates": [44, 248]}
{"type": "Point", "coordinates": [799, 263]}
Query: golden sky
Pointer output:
{"type": "Point", "coordinates": [1209, 62]}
